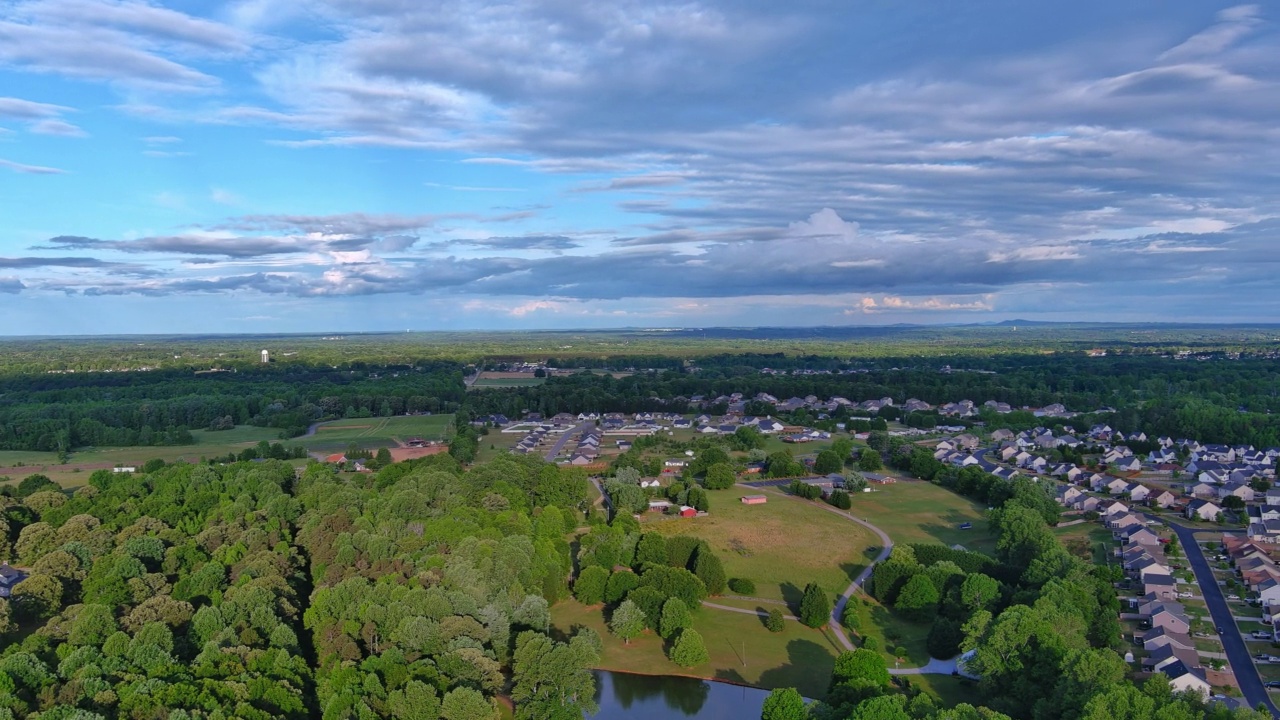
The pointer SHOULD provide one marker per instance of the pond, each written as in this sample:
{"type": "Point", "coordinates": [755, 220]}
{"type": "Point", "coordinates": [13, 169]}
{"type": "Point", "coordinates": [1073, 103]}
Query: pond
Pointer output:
{"type": "Point", "coordinates": [623, 696]}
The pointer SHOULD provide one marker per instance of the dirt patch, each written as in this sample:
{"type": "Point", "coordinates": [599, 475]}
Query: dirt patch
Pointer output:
{"type": "Point", "coordinates": [399, 454]}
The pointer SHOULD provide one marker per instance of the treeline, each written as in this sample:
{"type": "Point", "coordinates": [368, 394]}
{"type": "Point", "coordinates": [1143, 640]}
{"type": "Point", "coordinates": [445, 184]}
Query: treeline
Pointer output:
{"type": "Point", "coordinates": [199, 591]}
{"type": "Point", "coordinates": [61, 412]}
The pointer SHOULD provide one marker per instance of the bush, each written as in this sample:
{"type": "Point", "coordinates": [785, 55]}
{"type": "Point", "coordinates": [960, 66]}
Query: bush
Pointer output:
{"type": "Point", "coordinates": [840, 499]}
{"type": "Point", "coordinates": [870, 642]}
{"type": "Point", "coordinates": [851, 618]}
{"type": "Point", "coordinates": [742, 586]}
{"type": "Point", "coordinates": [775, 622]}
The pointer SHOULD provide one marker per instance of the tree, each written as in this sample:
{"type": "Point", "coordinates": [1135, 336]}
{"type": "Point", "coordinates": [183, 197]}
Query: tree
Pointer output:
{"type": "Point", "coordinates": [1233, 502]}
{"type": "Point", "coordinates": [784, 704]}
{"type": "Point", "coordinates": [553, 679]}
{"type": "Point", "coordinates": [382, 458]}
{"type": "Point", "coordinates": [709, 570]}
{"type": "Point", "coordinates": [675, 617]}
{"type": "Point", "coordinates": [828, 462]}
{"type": "Point", "coordinates": [775, 622]}
{"type": "Point", "coordinates": [38, 596]}
{"type": "Point", "coordinates": [719, 477]}
{"type": "Point", "coordinates": [978, 591]}
{"type": "Point", "coordinates": [652, 548]}
{"type": "Point", "coordinates": [843, 448]}
{"type": "Point", "coordinates": [6, 619]}
{"type": "Point", "coordinates": [620, 583]}
{"type": "Point", "coordinates": [918, 600]}
{"type": "Point", "coordinates": [870, 461]}
{"type": "Point", "coordinates": [93, 625]}
{"type": "Point", "coordinates": [815, 606]}
{"type": "Point", "coordinates": [944, 638]}
{"type": "Point", "coordinates": [840, 499]}
{"type": "Point", "coordinates": [627, 476]}
{"type": "Point", "coordinates": [860, 665]}
{"type": "Point", "coordinates": [627, 622]}
{"type": "Point", "coordinates": [590, 586]}
{"type": "Point", "coordinates": [689, 650]}
{"type": "Point", "coordinates": [464, 703]}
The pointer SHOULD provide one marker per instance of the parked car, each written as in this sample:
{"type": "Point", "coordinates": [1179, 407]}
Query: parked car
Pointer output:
{"type": "Point", "coordinates": [1184, 595]}
{"type": "Point", "coordinates": [1233, 597]}
{"type": "Point", "coordinates": [1261, 635]}
{"type": "Point", "coordinates": [1273, 684]}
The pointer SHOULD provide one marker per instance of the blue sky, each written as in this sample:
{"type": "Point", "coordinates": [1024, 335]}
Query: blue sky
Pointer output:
{"type": "Point", "coordinates": [289, 165]}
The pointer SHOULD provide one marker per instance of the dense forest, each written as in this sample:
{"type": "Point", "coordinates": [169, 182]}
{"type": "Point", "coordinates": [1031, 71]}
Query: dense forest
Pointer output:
{"type": "Point", "coordinates": [58, 412]}
{"type": "Point", "coordinates": [252, 591]}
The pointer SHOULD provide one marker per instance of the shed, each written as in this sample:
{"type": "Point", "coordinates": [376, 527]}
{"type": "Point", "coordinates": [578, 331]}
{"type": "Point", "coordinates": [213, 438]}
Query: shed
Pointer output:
{"type": "Point", "coordinates": [686, 511]}
{"type": "Point", "coordinates": [754, 499]}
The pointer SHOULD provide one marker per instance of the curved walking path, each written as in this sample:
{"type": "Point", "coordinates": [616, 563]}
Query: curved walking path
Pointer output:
{"type": "Point", "coordinates": [933, 667]}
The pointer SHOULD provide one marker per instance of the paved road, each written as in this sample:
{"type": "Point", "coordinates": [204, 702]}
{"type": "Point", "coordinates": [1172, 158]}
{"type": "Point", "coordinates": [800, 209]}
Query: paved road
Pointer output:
{"type": "Point", "coordinates": [564, 438]}
{"type": "Point", "coordinates": [1236, 649]}
{"type": "Point", "coordinates": [983, 462]}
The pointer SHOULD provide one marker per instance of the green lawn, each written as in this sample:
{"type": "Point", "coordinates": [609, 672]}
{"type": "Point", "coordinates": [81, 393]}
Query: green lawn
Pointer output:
{"type": "Point", "coordinates": [913, 511]}
{"type": "Point", "coordinates": [741, 650]}
{"type": "Point", "coordinates": [781, 546]}
{"type": "Point", "coordinates": [950, 690]}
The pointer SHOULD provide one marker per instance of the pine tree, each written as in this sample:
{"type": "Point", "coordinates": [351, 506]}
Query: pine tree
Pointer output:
{"type": "Point", "coordinates": [689, 650]}
{"type": "Point", "coordinates": [675, 617]}
{"type": "Point", "coordinates": [709, 570]}
{"type": "Point", "coordinates": [815, 606]}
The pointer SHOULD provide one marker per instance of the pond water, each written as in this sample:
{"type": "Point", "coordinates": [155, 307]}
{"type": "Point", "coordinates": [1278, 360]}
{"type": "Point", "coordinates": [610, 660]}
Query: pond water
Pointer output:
{"type": "Point", "coordinates": [622, 696]}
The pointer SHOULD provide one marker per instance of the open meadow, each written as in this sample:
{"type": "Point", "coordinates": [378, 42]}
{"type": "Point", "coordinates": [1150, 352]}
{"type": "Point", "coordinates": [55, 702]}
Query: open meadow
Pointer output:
{"type": "Point", "coordinates": [781, 545]}
{"type": "Point", "coordinates": [19, 464]}
{"type": "Point", "coordinates": [914, 511]}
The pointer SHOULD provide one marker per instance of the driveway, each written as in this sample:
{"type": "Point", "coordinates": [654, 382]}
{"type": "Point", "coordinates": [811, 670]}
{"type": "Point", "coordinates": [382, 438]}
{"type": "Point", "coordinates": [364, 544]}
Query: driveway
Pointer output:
{"type": "Point", "coordinates": [1236, 649]}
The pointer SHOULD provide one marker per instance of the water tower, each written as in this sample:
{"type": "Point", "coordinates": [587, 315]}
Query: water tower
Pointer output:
{"type": "Point", "coordinates": [266, 356]}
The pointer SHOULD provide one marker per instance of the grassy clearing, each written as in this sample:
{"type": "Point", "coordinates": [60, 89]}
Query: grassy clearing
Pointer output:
{"type": "Point", "coordinates": [950, 690]}
{"type": "Point", "coordinates": [781, 546]}
{"type": "Point", "coordinates": [892, 631]}
{"type": "Point", "coordinates": [741, 650]}
{"type": "Point", "coordinates": [1088, 541]}
{"type": "Point", "coordinates": [912, 511]}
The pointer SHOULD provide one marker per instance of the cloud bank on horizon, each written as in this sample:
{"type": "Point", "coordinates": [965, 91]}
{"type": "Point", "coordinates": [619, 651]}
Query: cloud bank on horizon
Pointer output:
{"type": "Point", "coordinates": [404, 164]}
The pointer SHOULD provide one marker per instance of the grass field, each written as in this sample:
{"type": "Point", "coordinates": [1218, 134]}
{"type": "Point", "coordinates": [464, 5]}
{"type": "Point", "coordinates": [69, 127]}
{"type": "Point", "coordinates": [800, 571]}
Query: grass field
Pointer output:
{"type": "Point", "coordinates": [85, 460]}
{"type": "Point", "coordinates": [913, 511]}
{"type": "Point", "coordinates": [377, 432]}
{"type": "Point", "coordinates": [781, 546]}
{"type": "Point", "coordinates": [797, 657]}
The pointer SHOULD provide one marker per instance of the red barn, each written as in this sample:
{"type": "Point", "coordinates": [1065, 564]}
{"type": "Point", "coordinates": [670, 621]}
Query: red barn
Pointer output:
{"type": "Point", "coordinates": [686, 511]}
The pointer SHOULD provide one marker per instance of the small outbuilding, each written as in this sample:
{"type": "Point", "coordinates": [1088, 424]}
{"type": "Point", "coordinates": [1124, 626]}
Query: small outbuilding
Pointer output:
{"type": "Point", "coordinates": [754, 499]}
{"type": "Point", "coordinates": [686, 511]}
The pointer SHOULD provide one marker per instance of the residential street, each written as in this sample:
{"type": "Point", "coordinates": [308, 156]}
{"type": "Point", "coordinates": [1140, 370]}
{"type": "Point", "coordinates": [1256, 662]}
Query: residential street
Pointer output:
{"type": "Point", "coordinates": [564, 438]}
{"type": "Point", "coordinates": [1236, 648]}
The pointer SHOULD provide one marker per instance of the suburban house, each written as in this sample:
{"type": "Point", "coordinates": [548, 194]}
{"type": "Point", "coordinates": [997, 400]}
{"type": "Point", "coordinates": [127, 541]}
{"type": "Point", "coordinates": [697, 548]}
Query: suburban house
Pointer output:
{"type": "Point", "coordinates": [1164, 500]}
{"type": "Point", "coordinates": [1203, 490]}
{"type": "Point", "coordinates": [1168, 654]}
{"type": "Point", "coordinates": [1203, 510]}
{"type": "Point", "coordinates": [1158, 637]}
{"type": "Point", "coordinates": [1168, 615]}
{"type": "Point", "coordinates": [1160, 586]}
{"type": "Point", "coordinates": [1138, 493]}
{"type": "Point", "coordinates": [1182, 678]}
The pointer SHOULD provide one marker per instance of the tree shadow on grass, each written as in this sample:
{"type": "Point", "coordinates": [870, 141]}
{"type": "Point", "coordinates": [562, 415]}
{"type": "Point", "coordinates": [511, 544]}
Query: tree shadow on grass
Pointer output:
{"type": "Point", "coordinates": [683, 696]}
{"type": "Point", "coordinates": [808, 669]}
{"type": "Point", "coordinates": [792, 596]}
{"type": "Point", "coordinates": [851, 570]}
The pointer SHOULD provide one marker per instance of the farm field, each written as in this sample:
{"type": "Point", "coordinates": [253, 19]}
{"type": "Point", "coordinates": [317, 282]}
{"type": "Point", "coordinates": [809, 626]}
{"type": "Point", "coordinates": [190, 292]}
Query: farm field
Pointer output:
{"type": "Point", "coordinates": [376, 432]}
{"type": "Point", "coordinates": [780, 546]}
{"type": "Point", "coordinates": [797, 657]}
{"type": "Point", "coordinates": [913, 511]}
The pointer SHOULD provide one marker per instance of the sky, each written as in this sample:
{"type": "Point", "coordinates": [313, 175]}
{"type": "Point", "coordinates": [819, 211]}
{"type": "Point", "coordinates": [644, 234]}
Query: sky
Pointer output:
{"type": "Point", "coordinates": [297, 166]}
